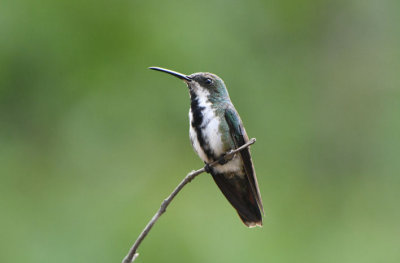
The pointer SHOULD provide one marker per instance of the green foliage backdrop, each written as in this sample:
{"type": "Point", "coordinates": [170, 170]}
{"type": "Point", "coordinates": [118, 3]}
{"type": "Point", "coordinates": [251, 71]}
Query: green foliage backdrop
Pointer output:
{"type": "Point", "coordinates": [91, 141]}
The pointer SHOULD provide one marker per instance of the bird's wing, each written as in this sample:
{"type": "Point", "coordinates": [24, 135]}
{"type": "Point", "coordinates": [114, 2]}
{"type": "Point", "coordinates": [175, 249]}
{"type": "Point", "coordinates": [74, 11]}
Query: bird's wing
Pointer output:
{"type": "Point", "coordinates": [240, 137]}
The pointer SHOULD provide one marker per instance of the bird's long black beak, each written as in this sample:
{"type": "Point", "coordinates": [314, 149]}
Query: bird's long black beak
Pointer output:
{"type": "Point", "coordinates": [174, 73]}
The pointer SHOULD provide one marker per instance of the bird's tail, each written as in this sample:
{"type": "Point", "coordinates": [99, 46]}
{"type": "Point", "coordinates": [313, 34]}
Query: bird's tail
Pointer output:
{"type": "Point", "coordinates": [237, 190]}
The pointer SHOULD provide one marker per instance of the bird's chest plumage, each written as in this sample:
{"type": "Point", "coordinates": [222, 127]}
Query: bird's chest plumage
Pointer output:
{"type": "Point", "coordinates": [210, 135]}
{"type": "Point", "coordinates": [205, 132]}
{"type": "Point", "coordinates": [208, 140]}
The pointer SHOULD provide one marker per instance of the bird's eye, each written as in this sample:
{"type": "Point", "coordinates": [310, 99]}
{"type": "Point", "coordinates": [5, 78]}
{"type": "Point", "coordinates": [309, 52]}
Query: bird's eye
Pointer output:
{"type": "Point", "coordinates": [208, 81]}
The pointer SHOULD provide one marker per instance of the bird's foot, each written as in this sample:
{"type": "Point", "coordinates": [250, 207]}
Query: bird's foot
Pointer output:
{"type": "Point", "coordinates": [207, 168]}
{"type": "Point", "coordinates": [226, 157]}
{"type": "Point", "coordinates": [222, 160]}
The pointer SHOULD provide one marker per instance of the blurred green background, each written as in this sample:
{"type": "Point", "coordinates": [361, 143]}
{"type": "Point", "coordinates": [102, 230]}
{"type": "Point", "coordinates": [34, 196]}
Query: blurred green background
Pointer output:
{"type": "Point", "coordinates": [91, 141]}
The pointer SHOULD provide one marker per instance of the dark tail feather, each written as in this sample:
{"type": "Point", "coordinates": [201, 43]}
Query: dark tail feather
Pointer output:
{"type": "Point", "coordinates": [239, 193]}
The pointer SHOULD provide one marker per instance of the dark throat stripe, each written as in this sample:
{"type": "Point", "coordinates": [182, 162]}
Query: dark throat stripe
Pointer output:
{"type": "Point", "coordinates": [197, 121]}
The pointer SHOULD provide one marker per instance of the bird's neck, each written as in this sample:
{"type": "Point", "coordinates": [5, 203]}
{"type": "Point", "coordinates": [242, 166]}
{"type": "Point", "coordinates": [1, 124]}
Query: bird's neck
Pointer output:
{"type": "Point", "coordinates": [199, 105]}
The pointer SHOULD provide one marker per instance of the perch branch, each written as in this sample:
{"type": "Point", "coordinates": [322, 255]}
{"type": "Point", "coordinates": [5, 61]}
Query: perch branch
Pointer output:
{"type": "Point", "coordinates": [132, 254]}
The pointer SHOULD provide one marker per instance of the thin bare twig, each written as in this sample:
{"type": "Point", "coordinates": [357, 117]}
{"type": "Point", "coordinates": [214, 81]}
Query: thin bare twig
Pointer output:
{"type": "Point", "coordinates": [132, 254]}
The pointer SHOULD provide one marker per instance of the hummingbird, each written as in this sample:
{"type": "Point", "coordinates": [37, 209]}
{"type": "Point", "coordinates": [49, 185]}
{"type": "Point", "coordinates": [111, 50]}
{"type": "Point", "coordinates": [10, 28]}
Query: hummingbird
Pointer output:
{"type": "Point", "coordinates": [216, 128]}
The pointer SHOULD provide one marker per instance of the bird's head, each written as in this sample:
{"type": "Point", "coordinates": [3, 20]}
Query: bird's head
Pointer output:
{"type": "Point", "coordinates": [201, 84]}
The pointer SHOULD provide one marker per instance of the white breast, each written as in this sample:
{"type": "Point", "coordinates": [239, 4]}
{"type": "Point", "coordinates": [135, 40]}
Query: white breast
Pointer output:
{"type": "Point", "coordinates": [195, 141]}
{"type": "Point", "coordinates": [210, 125]}
{"type": "Point", "coordinates": [212, 135]}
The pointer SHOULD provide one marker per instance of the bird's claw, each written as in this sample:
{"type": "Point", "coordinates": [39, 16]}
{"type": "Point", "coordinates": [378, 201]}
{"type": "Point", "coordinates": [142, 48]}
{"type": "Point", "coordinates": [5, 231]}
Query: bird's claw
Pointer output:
{"type": "Point", "coordinates": [222, 160]}
{"type": "Point", "coordinates": [207, 168]}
